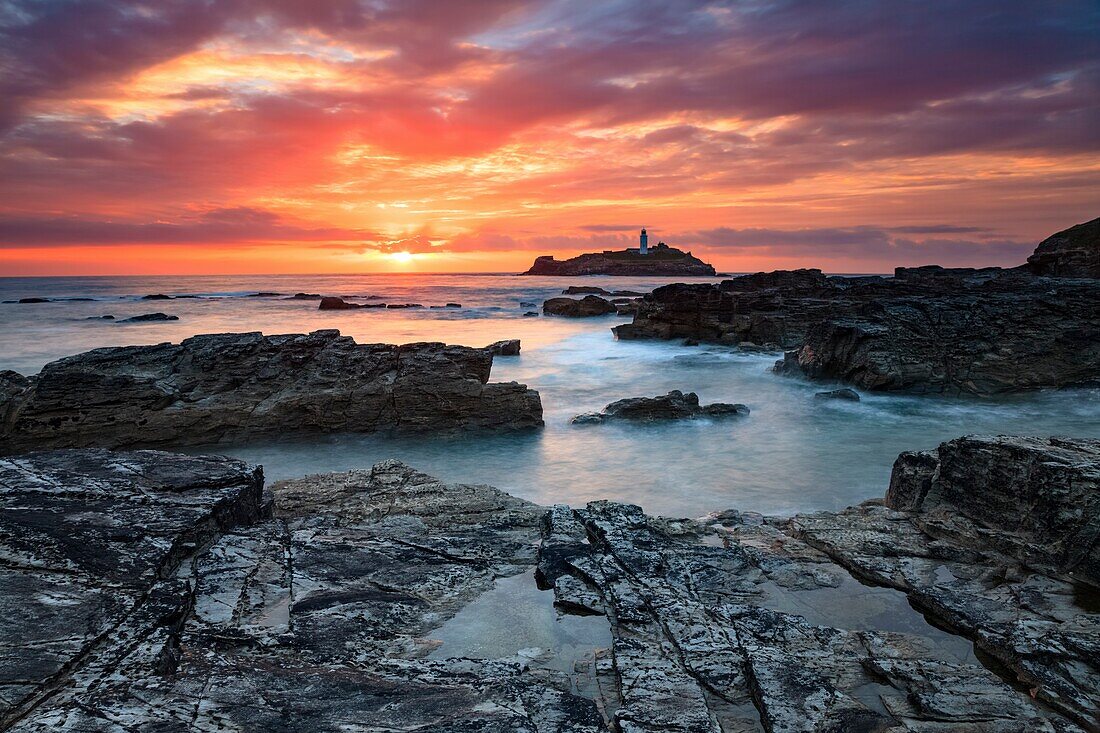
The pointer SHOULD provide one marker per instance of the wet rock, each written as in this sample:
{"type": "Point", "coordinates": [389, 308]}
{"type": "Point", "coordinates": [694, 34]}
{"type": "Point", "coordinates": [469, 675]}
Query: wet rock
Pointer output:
{"type": "Point", "coordinates": [263, 294]}
{"type": "Point", "coordinates": [156, 296]}
{"type": "Point", "coordinates": [28, 301]}
{"type": "Point", "coordinates": [531, 314]}
{"type": "Point", "coordinates": [448, 305]}
{"type": "Point", "coordinates": [673, 406]}
{"type": "Point", "coordinates": [230, 386]}
{"type": "Point", "coordinates": [838, 394]}
{"type": "Point", "coordinates": [304, 296]}
{"type": "Point", "coordinates": [589, 305]}
{"type": "Point", "coordinates": [584, 290]}
{"type": "Point", "coordinates": [995, 538]}
{"type": "Point", "coordinates": [509, 347]}
{"type": "Point", "coordinates": [89, 538]}
{"type": "Point", "coordinates": [332, 303]}
{"type": "Point", "coordinates": [404, 305]}
{"type": "Point", "coordinates": [150, 317]}
{"type": "Point", "coordinates": [927, 330]}
{"type": "Point", "coordinates": [316, 620]}
{"type": "Point", "coordinates": [1074, 252]}
{"type": "Point", "coordinates": [527, 304]}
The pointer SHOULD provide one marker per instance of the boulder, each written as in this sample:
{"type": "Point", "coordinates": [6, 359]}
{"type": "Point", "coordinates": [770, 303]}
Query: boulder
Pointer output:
{"type": "Point", "coordinates": [589, 305]}
{"type": "Point", "coordinates": [156, 296]}
{"type": "Point", "coordinates": [509, 347]}
{"type": "Point", "coordinates": [1074, 252]}
{"type": "Point", "coordinates": [232, 386]}
{"type": "Point", "coordinates": [332, 303]}
{"type": "Point", "coordinates": [673, 406]}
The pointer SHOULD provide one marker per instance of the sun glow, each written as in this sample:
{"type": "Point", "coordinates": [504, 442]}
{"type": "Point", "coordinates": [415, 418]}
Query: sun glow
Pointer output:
{"type": "Point", "coordinates": [402, 257]}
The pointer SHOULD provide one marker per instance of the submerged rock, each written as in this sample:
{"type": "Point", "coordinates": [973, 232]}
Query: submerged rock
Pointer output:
{"type": "Point", "coordinates": [589, 305]}
{"type": "Point", "coordinates": [673, 406]}
{"type": "Point", "coordinates": [232, 386]}
{"type": "Point", "coordinates": [838, 394]}
{"type": "Point", "coordinates": [148, 317]}
{"type": "Point", "coordinates": [156, 296]}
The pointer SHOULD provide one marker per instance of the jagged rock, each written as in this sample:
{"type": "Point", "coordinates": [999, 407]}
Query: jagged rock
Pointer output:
{"type": "Point", "coordinates": [996, 538]}
{"type": "Point", "coordinates": [660, 260]}
{"type": "Point", "coordinates": [318, 620]}
{"type": "Point", "coordinates": [838, 394]}
{"type": "Point", "coordinates": [589, 305]}
{"type": "Point", "coordinates": [148, 317]}
{"type": "Point", "coordinates": [332, 303]}
{"type": "Point", "coordinates": [230, 386]}
{"type": "Point", "coordinates": [673, 406]}
{"type": "Point", "coordinates": [509, 347]}
{"type": "Point", "coordinates": [927, 329]}
{"type": "Point", "coordinates": [88, 540]}
{"type": "Point", "coordinates": [1074, 252]}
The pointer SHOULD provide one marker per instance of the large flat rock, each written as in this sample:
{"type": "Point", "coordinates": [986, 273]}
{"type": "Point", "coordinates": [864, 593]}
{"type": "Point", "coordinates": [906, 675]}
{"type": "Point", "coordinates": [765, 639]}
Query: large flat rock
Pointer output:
{"type": "Point", "coordinates": [233, 386]}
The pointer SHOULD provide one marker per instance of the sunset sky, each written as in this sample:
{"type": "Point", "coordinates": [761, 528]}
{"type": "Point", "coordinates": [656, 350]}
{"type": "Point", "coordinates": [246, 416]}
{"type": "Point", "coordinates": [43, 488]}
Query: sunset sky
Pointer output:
{"type": "Point", "coordinates": [264, 136]}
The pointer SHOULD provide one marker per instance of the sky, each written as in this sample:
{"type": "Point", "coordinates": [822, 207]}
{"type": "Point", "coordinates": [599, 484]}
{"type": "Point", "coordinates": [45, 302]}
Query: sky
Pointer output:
{"type": "Point", "coordinates": [317, 136]}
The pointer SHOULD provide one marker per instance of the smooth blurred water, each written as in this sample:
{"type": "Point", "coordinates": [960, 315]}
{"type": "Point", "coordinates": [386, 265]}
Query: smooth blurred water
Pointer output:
{"type": "Point", "coordinates": [793, 453]}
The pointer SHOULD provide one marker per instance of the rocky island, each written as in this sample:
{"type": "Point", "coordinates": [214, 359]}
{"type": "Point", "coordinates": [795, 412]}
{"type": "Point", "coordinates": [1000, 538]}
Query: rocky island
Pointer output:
{"type": "Point", "coordinates": [152, 591]}
{"type": "Point", "coordinates": [231, 386]}
{"type": "Point", "coordinates": [926, 329]}
{"type": "Point", "coordinates": [657, 261]}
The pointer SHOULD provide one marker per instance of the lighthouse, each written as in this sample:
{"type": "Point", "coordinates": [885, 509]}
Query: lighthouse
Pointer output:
{"type": "Point", "coordinates": [643, 243]}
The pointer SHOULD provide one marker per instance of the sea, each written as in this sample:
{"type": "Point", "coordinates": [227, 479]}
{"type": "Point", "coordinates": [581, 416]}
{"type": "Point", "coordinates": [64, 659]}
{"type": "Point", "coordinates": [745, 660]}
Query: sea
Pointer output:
{"type": "Point", "coordinates": [791, 454]}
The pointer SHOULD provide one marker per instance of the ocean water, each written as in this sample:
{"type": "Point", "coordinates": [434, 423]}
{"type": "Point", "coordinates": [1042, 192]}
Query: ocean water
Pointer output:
{"type": "Point", "coordinates": [791, 454]}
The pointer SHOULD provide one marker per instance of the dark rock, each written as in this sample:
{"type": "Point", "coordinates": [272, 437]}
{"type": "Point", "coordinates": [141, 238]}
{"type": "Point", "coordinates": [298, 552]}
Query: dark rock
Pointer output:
{"type": "Point", "coordinates": [32, 300]}
{"type": "Point", "coordinates": [263, 294]}
{"type": "Point", "coordinates": [661, 260]}
{"type": "Point", "coordinates": [1074, 252]}
{"type": "Point", "coordinates": [317, 620]}
{"type": "Point", "coordinates": [995, 538]}
{"type": "Point", "coordinates": [584, 290]}
{"type": "Point", "coordinates": [304, 296]}
{"type": "Point", "coordinates": [156, 296]}
{"type": "Point", "coordinates": [673, 406]}
{"type": "Point", "coordinates": [530, 314]}
{"type": "Point", "coordinates": [147, 317]}
{"type": "Point", "coordinates": [838, 394]}
{"type": "Point", "coordinates": [589, 305]}
{"type": "Point", "coordinates": [509, 347]}
{"type": "Point", "coordinates": [91, 542]}
{"type": "Point", "coordinates": [332, 303]}
{"type": "Point", "coordinates": [527, 304]}
{"type": "Point", "coordinates": [100, 318]}
{"type": "Point", "coordinates": [627, 293]}
{"type": "Point", "coordinates": [404, 305]}
{"type": "Point", "coordinates": [229, 386]}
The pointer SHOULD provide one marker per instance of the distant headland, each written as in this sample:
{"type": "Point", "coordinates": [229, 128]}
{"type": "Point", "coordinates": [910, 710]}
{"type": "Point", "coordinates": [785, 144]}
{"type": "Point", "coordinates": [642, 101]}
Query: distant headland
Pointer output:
{"type": "Point", "coordinates": [645, 260]}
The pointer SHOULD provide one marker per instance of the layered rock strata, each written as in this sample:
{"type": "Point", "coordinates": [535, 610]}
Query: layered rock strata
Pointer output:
{"type": "Point", "coordinates": [232, 386]}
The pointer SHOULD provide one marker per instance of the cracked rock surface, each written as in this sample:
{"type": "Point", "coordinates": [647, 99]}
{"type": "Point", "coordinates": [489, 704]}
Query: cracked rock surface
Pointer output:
{"type": "Point", "coordinates": [966, 601]}
{"type": "Point", "coordinates": [231, 386]}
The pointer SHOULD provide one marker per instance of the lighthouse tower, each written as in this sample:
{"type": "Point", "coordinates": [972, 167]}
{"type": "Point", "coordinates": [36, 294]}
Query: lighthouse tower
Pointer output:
{"type": "Point", "coordinates": [643, 243]}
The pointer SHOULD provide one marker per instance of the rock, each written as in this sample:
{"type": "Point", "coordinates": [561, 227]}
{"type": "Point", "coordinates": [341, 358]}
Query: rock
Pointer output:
{"type": "Point", "coordinates": [27, 301]}
{"type": "Point", "coordinates": [332, 303]}
{"type": "Point", "coordinates": [230, 386]}
{"type": "Point", "coordinates": [1074, 252]}
{"type": "Point", "coordinates": [589, 305]}
{"type": "Point", "coordinates": [263, 294]}
{"type": "Point", "coordinates": [927, 330]}
{"type": "Point", "coordinates": [404, 305]}
{"type": "Point", "coordinates": [147, 317]}
{"type": "Point", "coordinates": [509, 347]}
{"type": "Point", "coordinates": [530, 314]}
{"type": "Point", "coordinates": [100, 318]}
{"type": "Point", "coordinates": [838, 394]}
{"type": "Point", "coordinates": [673, 406]}
{"type": "Point", "coordinates": [453, 305]}
{"type": "Point", "coordinates": [627, 293]}
{"type": "Point", "coordinates": [661, 260]}
{"type": "Point", "coordinates": [92, 541]}
{"type": "Point", "coordinates": [319, 619]}
{"type": "Point", "coordinates": [995, 538]}
{"type": "Point", "coordinates": [156, 296]}
{"type": "Point", "coordinates": [304, 296]}
{"type": "Point", "coordinates": [527, 304]}
{"type": "Point", "coordinates": [584, 290]}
